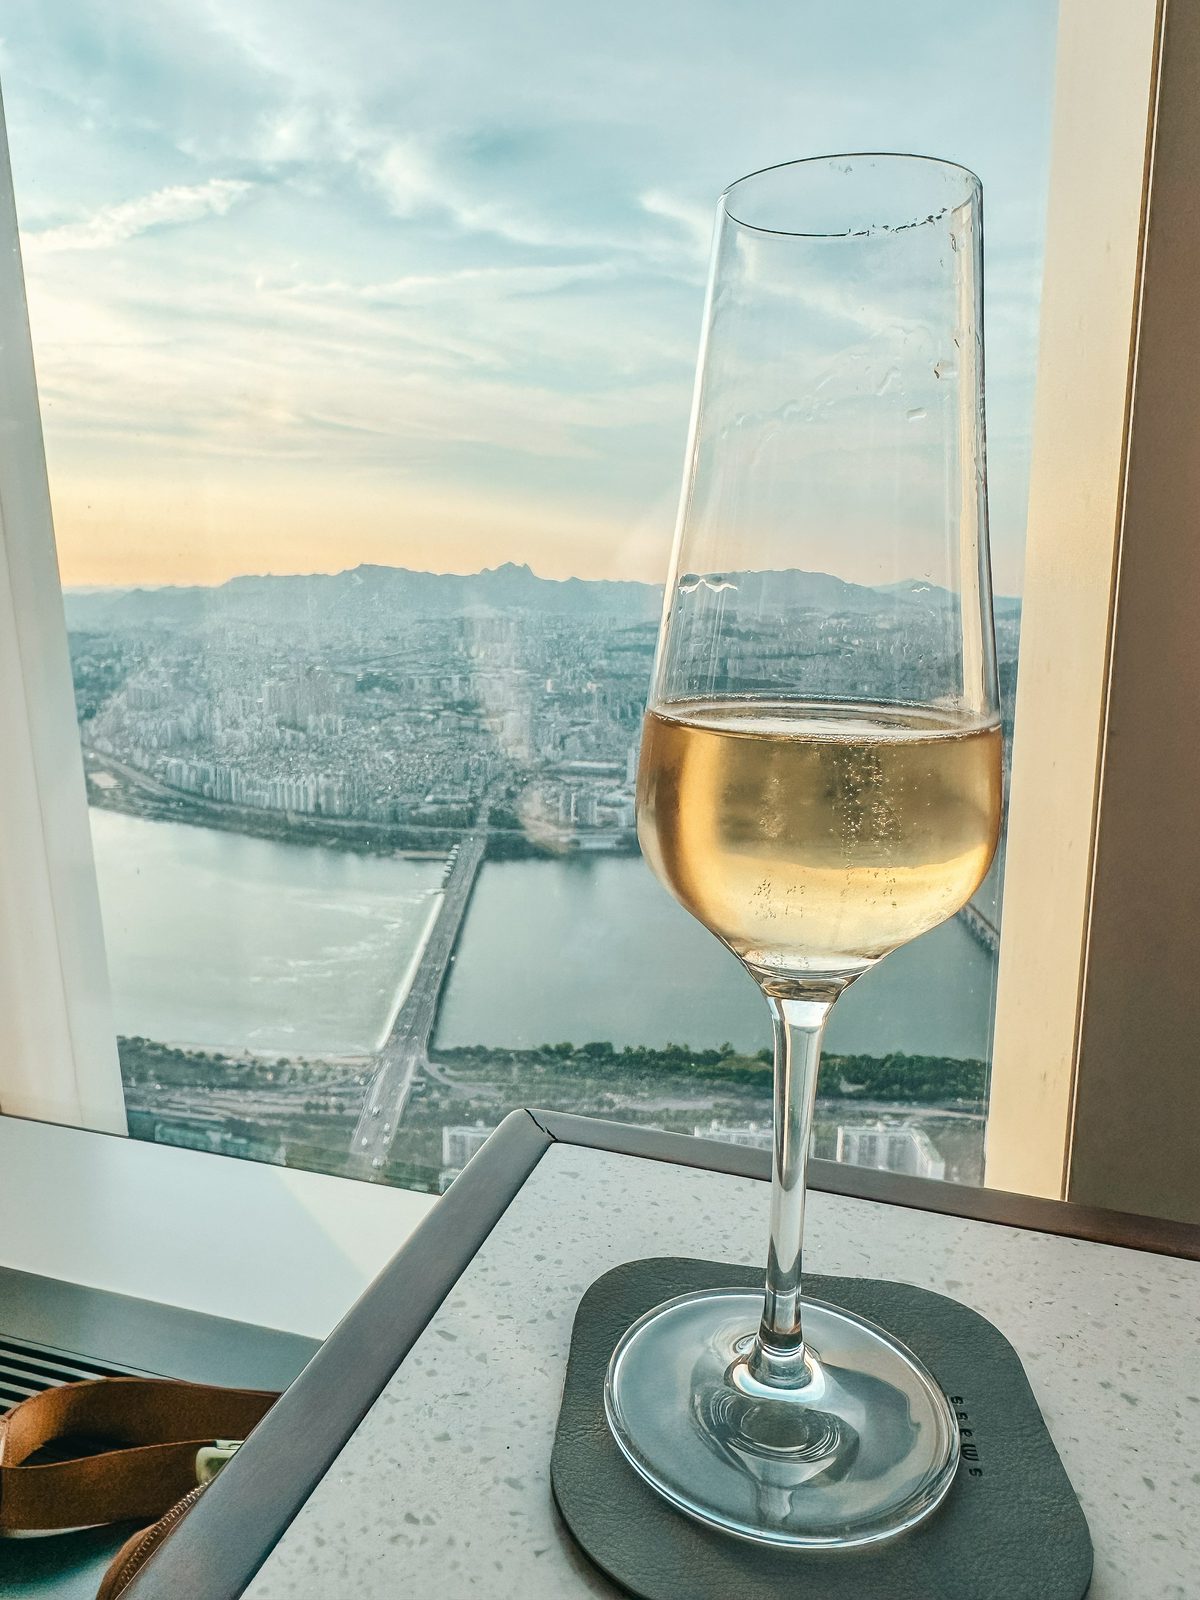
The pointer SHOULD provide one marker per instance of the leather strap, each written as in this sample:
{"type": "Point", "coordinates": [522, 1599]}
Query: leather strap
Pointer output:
{"type": "Point", "coordinates": [134, 1446]}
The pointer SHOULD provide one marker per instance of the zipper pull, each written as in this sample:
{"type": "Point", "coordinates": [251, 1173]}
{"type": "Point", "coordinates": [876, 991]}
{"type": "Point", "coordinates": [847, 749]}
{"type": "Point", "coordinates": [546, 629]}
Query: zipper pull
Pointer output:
{"type": "Point", "coordinates": [210, 1458]}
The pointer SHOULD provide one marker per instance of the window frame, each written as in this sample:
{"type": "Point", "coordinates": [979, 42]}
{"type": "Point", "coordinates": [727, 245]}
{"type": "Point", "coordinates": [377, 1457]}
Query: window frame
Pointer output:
{"type": "Point", "coordinates": [1094, 1094]}
{"type": "Point", "coordinates": [58, 1051]}
{"type": "Point", "coordinates": [75, 1208]}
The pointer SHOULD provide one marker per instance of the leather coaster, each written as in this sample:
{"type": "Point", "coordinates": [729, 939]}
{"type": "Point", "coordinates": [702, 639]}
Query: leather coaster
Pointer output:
{"type": "Point", "coordinates": [1010, 1528]}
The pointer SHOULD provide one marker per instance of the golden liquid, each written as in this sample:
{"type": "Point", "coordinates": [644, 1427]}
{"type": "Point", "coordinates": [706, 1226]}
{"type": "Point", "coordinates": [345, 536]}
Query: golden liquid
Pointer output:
{"type": "Point", "coordinates": [815, 838]}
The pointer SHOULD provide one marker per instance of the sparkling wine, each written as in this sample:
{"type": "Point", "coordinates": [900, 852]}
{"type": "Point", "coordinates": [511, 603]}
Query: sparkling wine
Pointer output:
{"type": "Point", "coordinates": [817, 838]}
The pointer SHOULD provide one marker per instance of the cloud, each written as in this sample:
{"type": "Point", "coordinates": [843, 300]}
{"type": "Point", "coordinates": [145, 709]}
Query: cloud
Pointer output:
{"type": "Point", "coordinates": [472, 250]}
{"type": "Point", "coordinates": [470, 283]}
{"type": "Point", "coordinates": [410, 181]}
{"type": "Point", "coordinates": [696, 221]}
{"type": "Point", "coordinates": [358, 376]}
{"type": "Point", "coordinates": [405, 178]}
{"type": "Point", "coordinates": [164, 208]}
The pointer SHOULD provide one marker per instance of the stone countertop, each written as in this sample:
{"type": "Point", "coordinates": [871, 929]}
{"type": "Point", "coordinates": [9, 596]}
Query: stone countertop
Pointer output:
{"type": "Point", "coordinates": [444, 1488]}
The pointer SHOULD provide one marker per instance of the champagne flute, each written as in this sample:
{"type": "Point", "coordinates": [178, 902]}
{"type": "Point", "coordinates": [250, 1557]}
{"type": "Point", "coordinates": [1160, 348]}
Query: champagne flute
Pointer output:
{"type": "Point", "coordinates": [820, 779]}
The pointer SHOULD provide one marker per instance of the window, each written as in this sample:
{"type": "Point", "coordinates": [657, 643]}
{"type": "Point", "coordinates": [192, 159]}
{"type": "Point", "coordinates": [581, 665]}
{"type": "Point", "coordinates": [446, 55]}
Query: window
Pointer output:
{"type": "Point", "coordinates": [365, 355]}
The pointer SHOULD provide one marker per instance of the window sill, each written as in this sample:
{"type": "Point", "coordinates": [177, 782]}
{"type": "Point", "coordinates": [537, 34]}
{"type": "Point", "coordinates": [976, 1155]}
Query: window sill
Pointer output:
{"type": "Point", "coordinates": [261, 1244]}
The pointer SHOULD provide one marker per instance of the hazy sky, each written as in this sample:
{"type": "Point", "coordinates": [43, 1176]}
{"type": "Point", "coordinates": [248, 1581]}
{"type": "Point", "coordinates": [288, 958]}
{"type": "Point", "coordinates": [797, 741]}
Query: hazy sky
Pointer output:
{"type": "Point", "coordinates": [314, 283]}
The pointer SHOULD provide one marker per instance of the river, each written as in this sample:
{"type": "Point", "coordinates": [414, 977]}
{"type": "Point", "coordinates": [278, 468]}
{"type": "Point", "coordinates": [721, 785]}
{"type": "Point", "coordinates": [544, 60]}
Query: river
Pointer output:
{"type": "Point", "coordinates": [227, 942]}
{"type": "Point", "coordinates": [592, 948]}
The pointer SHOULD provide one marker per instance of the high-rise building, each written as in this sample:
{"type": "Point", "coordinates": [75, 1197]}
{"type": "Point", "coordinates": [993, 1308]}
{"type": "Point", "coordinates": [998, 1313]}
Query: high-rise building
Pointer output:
{"type": "Point", "coordinates": [750, 1136]}
{"type": "Point", "coordinates": [889, 1148]}
{"type": "Point", "coordinates": [459, 1144]}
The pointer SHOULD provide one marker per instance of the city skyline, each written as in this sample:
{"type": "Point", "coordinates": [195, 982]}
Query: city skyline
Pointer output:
{"type": "Point", "coordinates": [413, 701]}
{"type": "Point", "coordinates": [425, 290]}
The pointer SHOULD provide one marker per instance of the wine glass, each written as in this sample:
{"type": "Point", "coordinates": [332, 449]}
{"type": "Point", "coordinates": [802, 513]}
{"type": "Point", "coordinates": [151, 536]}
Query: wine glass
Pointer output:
{"type": "Point", "coordinates": [820, 779]}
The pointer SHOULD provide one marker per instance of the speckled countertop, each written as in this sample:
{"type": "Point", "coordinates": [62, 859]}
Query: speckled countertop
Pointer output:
{"type": "Point", "coordinates": [444, 1489]}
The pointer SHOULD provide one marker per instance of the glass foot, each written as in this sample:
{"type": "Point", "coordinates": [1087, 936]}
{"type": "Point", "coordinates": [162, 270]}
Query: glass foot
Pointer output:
{"type": "Point", "coordinates": [866, 1449]}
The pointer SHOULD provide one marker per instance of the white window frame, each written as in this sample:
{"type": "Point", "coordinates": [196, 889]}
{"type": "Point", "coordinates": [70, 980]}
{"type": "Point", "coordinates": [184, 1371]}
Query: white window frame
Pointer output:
{"type": "Point", "coordinates": [58, 1053]}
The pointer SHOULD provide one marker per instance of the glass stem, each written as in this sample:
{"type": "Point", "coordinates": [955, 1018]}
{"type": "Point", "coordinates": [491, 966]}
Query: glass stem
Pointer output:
{"type": "Point", "coordinates": [779, 1357]}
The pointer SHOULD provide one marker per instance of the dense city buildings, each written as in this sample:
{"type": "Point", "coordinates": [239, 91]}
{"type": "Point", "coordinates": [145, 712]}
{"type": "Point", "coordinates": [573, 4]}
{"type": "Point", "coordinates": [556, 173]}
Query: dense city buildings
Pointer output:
{"type": "Point", "coordinates": [403, 721]}
{"type": "Point", "coordinates": [366, 713]}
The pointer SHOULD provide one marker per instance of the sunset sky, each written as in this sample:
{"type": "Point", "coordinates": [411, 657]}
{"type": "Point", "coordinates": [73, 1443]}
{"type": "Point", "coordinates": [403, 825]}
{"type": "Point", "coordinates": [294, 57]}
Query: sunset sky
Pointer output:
{"type": "Point", "coordinates": [316, 284]}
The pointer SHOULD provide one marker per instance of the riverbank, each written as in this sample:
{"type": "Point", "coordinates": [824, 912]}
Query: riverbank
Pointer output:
{"type": "Point", "coordinates": [892, 1080]}
{"type": "Point", "coordinates": [949, 1083]}
{"type": "Point", "coordinates": [113, 786]}
{"type": "Point", "coordinates": [301, 1112]}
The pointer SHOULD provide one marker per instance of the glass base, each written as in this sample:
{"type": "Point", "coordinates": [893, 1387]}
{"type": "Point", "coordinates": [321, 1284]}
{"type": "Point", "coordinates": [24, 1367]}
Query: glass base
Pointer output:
{"type": "Point", "coordinates": [864, 1450]}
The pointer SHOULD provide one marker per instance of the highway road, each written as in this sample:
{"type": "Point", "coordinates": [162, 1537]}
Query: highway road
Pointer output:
{"type": "Point", "coordinates": [406, 1050]}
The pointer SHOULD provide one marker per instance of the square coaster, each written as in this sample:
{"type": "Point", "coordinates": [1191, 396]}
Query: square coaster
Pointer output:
{"type": "Point", "coordinates": [1011, 1527]}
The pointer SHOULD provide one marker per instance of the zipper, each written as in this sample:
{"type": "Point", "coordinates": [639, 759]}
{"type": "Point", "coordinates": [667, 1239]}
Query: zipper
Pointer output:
{"type": "Point", "coordinates": [146, 1545]}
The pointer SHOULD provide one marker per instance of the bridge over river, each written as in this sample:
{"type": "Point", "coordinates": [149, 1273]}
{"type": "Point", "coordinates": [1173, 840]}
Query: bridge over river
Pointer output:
{"type": "Point", "coordinates": [981, 927]}
{"type": "Point", "coordinates": [405, 1052]}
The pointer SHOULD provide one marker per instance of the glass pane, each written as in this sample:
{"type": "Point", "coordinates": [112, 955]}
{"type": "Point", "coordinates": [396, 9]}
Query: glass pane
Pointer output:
{"type": "Point", "coordinates": [366, 349]}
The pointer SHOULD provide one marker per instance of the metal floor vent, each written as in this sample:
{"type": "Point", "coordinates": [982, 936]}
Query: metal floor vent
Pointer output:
{"type": "Point", "coordinates": [27, 1368]}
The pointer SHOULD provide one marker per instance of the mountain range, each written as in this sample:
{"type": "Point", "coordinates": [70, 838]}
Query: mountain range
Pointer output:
{"type": "Point", "coordinates": [363, 592]}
